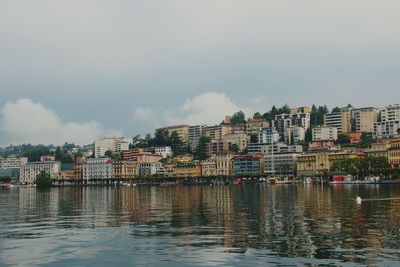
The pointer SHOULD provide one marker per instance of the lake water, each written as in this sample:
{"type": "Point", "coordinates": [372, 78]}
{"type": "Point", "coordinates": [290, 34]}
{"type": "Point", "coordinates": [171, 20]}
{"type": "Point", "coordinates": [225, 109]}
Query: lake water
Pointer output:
{"type": "Point", "coordinates": [253, 225]}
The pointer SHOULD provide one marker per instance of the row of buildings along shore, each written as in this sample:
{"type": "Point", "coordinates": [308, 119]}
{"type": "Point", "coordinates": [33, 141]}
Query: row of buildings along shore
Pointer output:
{"type": "Point", "coordinates": [255, 147]}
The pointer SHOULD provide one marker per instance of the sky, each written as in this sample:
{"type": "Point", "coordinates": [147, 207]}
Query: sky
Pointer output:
{"type": "Point", "coordinates": [78, 70]}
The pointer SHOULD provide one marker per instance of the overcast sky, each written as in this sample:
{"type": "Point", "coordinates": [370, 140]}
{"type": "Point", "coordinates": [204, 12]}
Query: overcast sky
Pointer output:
{"type": "Point", "coordinates": [82, 69]}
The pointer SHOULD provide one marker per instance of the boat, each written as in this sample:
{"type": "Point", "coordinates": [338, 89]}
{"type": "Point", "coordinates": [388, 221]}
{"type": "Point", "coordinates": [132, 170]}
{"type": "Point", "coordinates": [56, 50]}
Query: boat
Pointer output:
{"type": "Point", "coordinates": [238, 181]}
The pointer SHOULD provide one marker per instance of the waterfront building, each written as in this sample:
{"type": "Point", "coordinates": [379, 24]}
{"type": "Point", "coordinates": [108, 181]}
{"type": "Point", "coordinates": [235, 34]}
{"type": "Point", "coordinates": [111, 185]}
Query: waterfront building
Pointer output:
{"type": "Point", "coordinates": [30, 170]}
{"type": "Point", "coordinates": [248, 164]}
{"type": "Point", "coordinates": [97, 169]}
{"type": "Point", "coordinates": [182, 131]}
{"type": "Point", "coordinates": [324, 133]}
{"type": "Point", "coordinates": [208, 168]}
{"type": "Point", "coordinates": [254, 125]}
{"type": "Point", "coordinates": [379, 149]}
{"type": "Point", "coordinates": [149, 169]}
{"type": "Point", "coordinates": [195, 132]}
{"type": "Point", "coordinates": [113, 144]}
{"type": "Point", "coordinates": [188, 170]}
{"type": "Point", "coordinates": [319, 163]}
{"type": "Point", "coordinates": [281, 164]}
{"type": "Point", "coordinates": [223, 162]}
{"type": "Point", "coordinates": [389, 126]}
{"type": "Point", "coordinates": [394, 153]}
{"type": "Point", "coordinates": [339, 120]}
{"type": "Point", "coordinates": [163, 151]}
{"type": "Point", "coordinates": [123, 169]}
{"type": "Point", "coordinates": [217, 131]}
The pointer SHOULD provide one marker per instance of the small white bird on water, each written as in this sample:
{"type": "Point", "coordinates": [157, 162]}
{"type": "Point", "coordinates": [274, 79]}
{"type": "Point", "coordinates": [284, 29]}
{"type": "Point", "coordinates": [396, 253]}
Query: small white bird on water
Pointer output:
{"type": "Point", "coordinates": [359, 200]}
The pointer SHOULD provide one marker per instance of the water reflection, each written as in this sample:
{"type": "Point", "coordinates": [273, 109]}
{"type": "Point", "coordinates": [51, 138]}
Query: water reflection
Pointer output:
{"type": "Point", "coordinates": [211, 225]}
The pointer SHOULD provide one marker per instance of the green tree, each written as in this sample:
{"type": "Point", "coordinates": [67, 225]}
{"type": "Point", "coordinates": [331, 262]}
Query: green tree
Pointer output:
{"type": "Point", "coordinates": [336, 110]}
{"type": "Point", "coordinates": [366, 140]}
{"type": "Point", "coordinates": [257, 116]}
{"type": "Point", "coordinates": [308, 136]}
{"type": "Point", "coordinates": [234, 148]}
{"type": "Point", "coordinates": [43, 179]}
{"type": "Point", "coordinates": [343, 139]}
{"type": "Point", "coordinates": [109, 154]}
{"type": "Point", "coordinates": [253, 138]}
{"type": "Point", "coordinates": [200, 152]}
{"type": "Point", "coordinates": [238, 118]}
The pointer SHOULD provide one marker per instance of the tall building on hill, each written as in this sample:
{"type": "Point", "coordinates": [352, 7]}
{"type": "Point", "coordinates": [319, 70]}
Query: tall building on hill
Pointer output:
{"type": "Point", "coordinates": [114, 144]}
{"type": "Point", "coordinates": [195, 132]}
{"type": "Point", "coordinates": [339, 120]}
{"type": "Point", "coordinates": [389, 126]}
{"type": "Point", "coordinates": [182, 131]}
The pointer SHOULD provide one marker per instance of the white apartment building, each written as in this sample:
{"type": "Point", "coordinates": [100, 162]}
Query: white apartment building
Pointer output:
{"type": "Point", "coordinates": [13, 162]}
{"type": "Point", "coordinates": [324, 134]}
{"type": "Point", "coordinates": [273, 148]}
{"type": "Point", "coordinates": [195, 132]}
{"type": "Point", "coordinates": [295, 135]}
{"type": "Point", "coordinates": [284, 121]}
{"type": "Point", "coordinates": [114, 144]}
{"type": "Point", "coordinates": [150, 168]}
{"type": "Point", "coordinates": [163, 151]}
{"type": "Point", "coordinates": [98, 168]}
{"type": "Point", "coordinates": [390, 122]}
{"type": "Point", "coordinates": [29, 171]}
{"type": "Point", "coordinates": [268, 136]}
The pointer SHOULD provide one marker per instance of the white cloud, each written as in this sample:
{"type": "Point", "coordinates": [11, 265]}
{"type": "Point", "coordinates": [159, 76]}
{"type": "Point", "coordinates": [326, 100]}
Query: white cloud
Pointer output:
{"type": "Point", "coordinates": [207, 108]}
{"type": "Point", "coordinates": [25, 121]}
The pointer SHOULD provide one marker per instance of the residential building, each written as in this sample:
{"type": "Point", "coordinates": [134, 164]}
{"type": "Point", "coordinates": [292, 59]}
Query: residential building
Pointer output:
{"type": "Point", "coordinates": [223, 162]}
{"type": "Point", "coordinates": [284, 121]}
{"type": "Point", "coordinates": [355, 138]}
{"type": "Point", "coordinates": [140, 156]}
{"type": "Point", "coordinates": [163, 151]}
{"type": "Point", "coordinates": [339, 120]}
{"type": "Point", "coordinates": [97, 169]}
{"type": "Point", "coordinates": [268, 136]}
{"type": "Point", "coordinates": [363, 119]}
{"type": "Point", "coordinates": [123, 169]}
{"type": "Point", "coordinates": [48, 158]}
{"type": "Point", "coordinates": [113, 144]}
{"type": "Point", "coordinates": [294, 135]}
{"type": "Point", "coordinates": [238, 129]}
{"type": "Point", "coordinates": [208, 168]}
{"type": "Point", "coordinates": [298, 110]}
{"type": "Point", "coordinates": [254, 125]}
{"type": "Point", "coordinates": [217, 145]}
{"type": "Point", "coordinates": [324, 133]}
{"type": "Point", "coordinates": [257, 148]}
{"type": "Point", "coordinates": [239, 139]}
{"type": "Point", "coordinates": [325, 145]}
{"type": "Point", "coordinates": [394, 153]}
{"type": "Point", "coordinates": [217, 131]}
{"type": "Point", "coordinates": [389, 126]}
{"type": "Point", "coordinates": [185, 158]}
{"type": "Point", "coordinates": [13, 162]}
{"type": "Point", "coordinates": [248, 164]}
{"type": "Point", "coordinates": [281, 164]}
{"type": "Point", "coordinates": [182, 131]}
{"type": "Point", "coordinates": [195, 132]}
{"type": "Point", "coordinates": [30, 170]}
